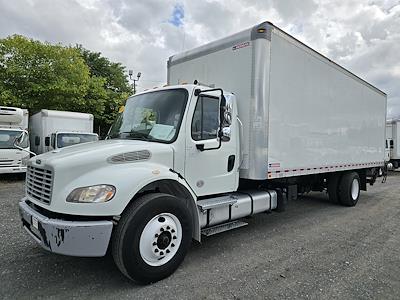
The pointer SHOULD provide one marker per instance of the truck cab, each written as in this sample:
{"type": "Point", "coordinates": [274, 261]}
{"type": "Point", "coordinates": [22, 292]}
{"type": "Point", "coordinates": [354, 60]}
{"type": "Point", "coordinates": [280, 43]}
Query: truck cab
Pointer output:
{"type": "Point", "coordinates": [176, 145]}
{"type": "Point", "coordinates": [13, 125]}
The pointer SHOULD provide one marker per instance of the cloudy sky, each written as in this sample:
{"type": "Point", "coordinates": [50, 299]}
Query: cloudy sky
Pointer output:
{"type": "Point", "coordinates": [363, 35]}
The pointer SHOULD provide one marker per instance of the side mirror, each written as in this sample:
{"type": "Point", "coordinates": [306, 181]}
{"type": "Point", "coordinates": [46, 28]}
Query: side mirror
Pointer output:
{"type": "Point", "coordinates": [37, 140]}
{"type": "Point", "coordinates": [47, 141]}
{"type": "Point", "coordinates": [18, 140]}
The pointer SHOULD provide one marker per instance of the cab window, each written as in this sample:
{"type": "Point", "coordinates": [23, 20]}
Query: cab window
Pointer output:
{"type": "Point", "coordinates": [205, 121]}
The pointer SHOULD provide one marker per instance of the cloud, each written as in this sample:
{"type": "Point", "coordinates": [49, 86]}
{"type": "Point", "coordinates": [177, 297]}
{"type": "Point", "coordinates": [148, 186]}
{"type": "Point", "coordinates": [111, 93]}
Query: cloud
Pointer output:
{"type": "Point", "coordinates": [362, 36]}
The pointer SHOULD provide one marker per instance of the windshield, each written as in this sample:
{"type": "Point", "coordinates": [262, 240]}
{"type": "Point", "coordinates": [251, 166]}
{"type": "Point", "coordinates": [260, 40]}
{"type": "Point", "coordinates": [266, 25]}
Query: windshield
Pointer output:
{"type": "Point", "coordinates": [7, 138]}
{"type": "Point", "coordinates": [154, 116]}
{"type": "Point", "coordinates": [69, 139]}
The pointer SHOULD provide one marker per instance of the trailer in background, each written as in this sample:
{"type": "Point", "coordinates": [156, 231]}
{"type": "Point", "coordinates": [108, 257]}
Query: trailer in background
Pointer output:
{"type": "Point", "coordinates": [13, 124]}
{"type": "Point", "coordinates": [393, 143]}
{"type": "Point", "coordinates": [52, 129]}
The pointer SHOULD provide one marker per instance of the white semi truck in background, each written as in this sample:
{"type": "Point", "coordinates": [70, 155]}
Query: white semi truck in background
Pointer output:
{"type": "Point", "coordinates": [53, 129]}
{"type": "Point", "coordinates": [393, 143]}
{"type": "Point", "coordinates": [13, 124]}
{"type": "Point", "coordinates": [266, 118]}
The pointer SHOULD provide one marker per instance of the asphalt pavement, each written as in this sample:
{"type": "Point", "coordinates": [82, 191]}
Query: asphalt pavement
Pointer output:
{"type": "Point", "coordinates": [314, 250]}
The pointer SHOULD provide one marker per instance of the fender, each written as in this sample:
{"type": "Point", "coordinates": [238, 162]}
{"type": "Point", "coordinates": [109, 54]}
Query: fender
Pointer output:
{"type": "Point", "coordinates": [129, 179]}
{"type": "Point", "coordinates": [178, 187]}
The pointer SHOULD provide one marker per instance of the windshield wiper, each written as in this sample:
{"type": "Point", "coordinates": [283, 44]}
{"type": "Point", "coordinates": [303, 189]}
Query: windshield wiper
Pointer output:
{"type": "Point", "coordinates": [135, 135]}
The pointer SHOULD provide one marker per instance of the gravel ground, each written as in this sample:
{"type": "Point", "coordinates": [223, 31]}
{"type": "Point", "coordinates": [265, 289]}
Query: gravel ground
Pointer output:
{"type": "Point", "coordinates": [316, 249]}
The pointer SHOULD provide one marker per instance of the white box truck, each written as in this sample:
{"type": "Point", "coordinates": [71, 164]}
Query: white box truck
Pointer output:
{"type": "Point", "coordinates": [53, 129]}
{"type": "Point", "coordinates": [393, 143]}
{"type": "Point", "coordinates": [13, 124]}
{"type": "Point", "coordinates": [189, 159]}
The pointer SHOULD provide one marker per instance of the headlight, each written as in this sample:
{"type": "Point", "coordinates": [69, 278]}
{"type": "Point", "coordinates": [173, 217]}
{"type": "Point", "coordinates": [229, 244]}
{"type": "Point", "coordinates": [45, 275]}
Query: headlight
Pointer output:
{"type": "Point", "coordinates": [92, 194]}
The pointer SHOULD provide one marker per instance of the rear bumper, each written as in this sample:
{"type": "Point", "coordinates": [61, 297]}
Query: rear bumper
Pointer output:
{"type": "Point", "coordinates": [9, 170]}
{"type": "Point", "coordinates": [74, 238]}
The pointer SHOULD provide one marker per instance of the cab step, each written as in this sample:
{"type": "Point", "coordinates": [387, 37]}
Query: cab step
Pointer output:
{"type": "Point", "coordinates": [223, 227]}
{"type": "Point", "coordinates": [216, 202]}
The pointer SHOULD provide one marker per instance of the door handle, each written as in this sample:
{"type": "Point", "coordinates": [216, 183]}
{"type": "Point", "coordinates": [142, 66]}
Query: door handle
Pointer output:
{"type": "Point", "coordinates": [200, 147]}
{"type": "Point", "coordinates": [231, 162]}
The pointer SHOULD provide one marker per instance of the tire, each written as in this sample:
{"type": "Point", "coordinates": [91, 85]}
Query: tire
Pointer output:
{"type": "Point", "coordinates": [333, 187]}
{"type": "Point", "coordinates": [349, 189]}
{"type": "Point", "coordinates": [154, 226]}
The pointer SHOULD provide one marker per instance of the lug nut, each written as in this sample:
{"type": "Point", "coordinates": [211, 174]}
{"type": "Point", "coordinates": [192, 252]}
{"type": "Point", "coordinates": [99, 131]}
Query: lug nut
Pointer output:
{"type": "Point", "coordinates": [167, 251]}
{"type": "Point", "coordinates": [173, 230]}
{"type": "Point", "coordinates": [162, 229]}
{"type": "Point", "coordinates": [161, 253]}
{"type": "Point", "coordinates": [156, 235]}
{"type": "Point", "coordinates": [174, 237]}
{"type": "Point", "coordinates": [156, 250]}
{"type": "Point", "coordinates": [172, 245]}
{"type": "Point", "coordinates": [154, 243]}
{"type": "Point", "coordinates": [168, 227]}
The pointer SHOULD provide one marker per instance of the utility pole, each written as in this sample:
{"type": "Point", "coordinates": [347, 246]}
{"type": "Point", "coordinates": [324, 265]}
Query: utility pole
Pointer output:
{"type": "Point", "coordinates": [134, 80]}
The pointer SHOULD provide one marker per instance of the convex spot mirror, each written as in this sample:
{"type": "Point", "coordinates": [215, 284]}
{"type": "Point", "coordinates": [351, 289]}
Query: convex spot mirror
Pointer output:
{"type": "Point", "coordinates": [226, 118]}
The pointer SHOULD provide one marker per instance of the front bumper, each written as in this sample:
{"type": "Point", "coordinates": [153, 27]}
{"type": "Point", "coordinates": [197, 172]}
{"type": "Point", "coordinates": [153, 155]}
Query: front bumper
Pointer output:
{"type": "Point", "coordinates": [9, 170]}
{"type": "Point", "coordinates": [75, 238]}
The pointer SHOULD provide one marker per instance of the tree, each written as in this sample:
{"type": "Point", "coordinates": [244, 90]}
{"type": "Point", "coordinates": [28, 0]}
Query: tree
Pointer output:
{"type": "Point", "coordinates": [36, 75]}
{"type": "Point", "coordinates": [115, 83]}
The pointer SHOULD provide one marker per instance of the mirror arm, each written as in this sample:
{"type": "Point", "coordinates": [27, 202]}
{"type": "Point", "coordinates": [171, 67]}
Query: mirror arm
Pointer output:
{"type": "Point", "coordinates": [22, 149]}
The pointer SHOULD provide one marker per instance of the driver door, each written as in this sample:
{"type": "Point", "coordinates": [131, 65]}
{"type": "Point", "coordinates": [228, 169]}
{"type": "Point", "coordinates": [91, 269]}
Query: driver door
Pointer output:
{"type": "Point", "coordinates": [209, 163]}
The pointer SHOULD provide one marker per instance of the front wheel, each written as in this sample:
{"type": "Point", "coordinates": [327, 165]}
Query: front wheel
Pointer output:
{"type": "Point", "coordinates": [152, 237]}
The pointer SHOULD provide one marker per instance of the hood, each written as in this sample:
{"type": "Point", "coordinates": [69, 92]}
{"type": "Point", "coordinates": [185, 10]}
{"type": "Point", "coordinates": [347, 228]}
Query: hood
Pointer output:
{"type": "Point", "coordinates": [101, 152]}
{"type": "Point", "coordinates": [12, 157]}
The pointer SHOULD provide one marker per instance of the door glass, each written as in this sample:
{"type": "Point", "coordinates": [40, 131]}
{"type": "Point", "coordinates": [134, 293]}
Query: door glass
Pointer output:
{"type": "Point", "coordinates": [53, 140]}
{"type": "Point", "coordinates": [205, 121]}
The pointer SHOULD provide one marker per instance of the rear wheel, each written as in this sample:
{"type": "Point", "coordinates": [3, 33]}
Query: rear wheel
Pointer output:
{"type": "Point", "coordinates": [349, 189]}
{"type": "Point", "coordinates": [152, 238]}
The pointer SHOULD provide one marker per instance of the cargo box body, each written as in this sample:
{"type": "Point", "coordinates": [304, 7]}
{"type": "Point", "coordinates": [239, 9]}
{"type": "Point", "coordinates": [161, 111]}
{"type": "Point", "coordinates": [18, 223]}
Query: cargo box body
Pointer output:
{"type": "Point", "coordinates": [301, 113]}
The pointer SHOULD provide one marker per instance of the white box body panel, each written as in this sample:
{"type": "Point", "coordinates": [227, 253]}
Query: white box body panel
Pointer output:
{"type": "Point", "coordinates": [302, 113]}
{"type": "Point", "coordinates": [320, 116]}
{"type": "Point", "coordinates": [46, 122]}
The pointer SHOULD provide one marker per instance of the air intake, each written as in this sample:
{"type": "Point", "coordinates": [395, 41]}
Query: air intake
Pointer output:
{"type": "Point", "coordinates": [130, 157]}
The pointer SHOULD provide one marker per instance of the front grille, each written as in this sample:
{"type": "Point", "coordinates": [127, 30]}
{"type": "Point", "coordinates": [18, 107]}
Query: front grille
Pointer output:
{"type": "Point", "coordinates": [39, 183]}
{"type": "Point", "coordinates": [9, 163]}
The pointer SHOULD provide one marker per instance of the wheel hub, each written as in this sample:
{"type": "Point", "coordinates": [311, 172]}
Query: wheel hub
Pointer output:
{"type": "Point", "coordinates": [355, 189]}
{"type": "Point", "coordinates": [160, 239]}
{"type": "Point", "coordinates": [164, 240]}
